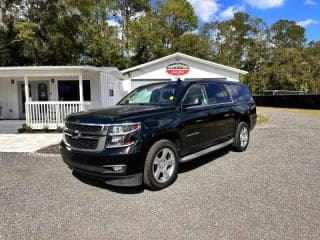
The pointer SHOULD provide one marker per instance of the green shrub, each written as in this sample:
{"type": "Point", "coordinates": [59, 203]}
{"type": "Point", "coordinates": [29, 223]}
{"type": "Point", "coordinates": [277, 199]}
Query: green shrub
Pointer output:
{"type": "Point", "coordinates": [59, 129]}
{"type": "Point", "coordinates": [46, 129]}
{"type": "Point", "coordinates": [28, 129]}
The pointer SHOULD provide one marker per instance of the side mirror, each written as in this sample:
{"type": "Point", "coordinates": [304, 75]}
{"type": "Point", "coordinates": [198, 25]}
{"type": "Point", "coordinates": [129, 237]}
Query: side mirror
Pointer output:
{"type": "Point", "coordinates": [190, 102]}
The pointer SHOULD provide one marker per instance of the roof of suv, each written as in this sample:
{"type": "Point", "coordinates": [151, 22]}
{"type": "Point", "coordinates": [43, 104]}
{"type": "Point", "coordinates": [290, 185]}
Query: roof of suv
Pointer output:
{"type": "Point", "coordinates": [210, 81]}
{"type": "Point", "coordinates": [190, 82]}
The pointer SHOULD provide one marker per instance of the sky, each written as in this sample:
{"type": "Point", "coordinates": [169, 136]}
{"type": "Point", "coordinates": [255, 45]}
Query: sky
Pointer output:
{"type": "Point", "coordinates": [305, 12]}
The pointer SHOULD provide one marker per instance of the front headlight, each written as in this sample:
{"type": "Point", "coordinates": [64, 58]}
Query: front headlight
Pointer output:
{"type": "Point", "coordinates": [120, 135]}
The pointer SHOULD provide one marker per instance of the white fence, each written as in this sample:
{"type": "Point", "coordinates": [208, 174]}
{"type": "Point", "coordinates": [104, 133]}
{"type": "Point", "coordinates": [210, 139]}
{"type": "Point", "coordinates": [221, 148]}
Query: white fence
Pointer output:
{"type": "Point", "coordinates": [51, 115]}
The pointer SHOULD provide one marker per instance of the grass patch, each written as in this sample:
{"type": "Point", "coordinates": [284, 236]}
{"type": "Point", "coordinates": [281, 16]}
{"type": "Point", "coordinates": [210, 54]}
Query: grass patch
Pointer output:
{"type": "Point", "coordinates": [310, 112]}
{"type": "Point", "coordinates": [262, 118]}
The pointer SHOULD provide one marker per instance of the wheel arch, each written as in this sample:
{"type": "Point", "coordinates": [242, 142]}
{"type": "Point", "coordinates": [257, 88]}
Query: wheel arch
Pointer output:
{"type": "Point", "coordinates": [245, 118]}
{"type": "Point", "coordinates": [172, 136]}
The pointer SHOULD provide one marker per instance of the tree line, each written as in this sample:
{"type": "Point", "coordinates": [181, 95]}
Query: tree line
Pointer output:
{"type": "Point", "coordinates": [124, 33]}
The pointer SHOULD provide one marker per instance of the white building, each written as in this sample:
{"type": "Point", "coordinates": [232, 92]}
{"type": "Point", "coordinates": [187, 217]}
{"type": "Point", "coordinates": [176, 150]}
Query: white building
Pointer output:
{"type": "Point", "coordinates": [176, 66]}
{"type": "Point", "coordinates": [55, 92]}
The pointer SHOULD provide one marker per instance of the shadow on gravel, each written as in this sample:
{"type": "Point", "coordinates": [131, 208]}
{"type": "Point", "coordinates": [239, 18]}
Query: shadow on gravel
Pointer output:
{"type": "Point", "coordinates": [100, 184]}
{"type": "Point", "coordinates": [199, 162]}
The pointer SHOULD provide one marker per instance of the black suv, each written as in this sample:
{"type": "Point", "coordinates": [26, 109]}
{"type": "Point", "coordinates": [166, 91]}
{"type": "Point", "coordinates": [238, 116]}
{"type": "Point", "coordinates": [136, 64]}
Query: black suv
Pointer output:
{"type": "Point", "coordinates": [149, 132]}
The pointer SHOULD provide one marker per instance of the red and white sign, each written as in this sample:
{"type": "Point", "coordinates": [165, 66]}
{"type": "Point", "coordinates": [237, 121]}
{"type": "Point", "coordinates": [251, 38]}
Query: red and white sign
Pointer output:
{"type": "Point", "coordinates": [178, 69]}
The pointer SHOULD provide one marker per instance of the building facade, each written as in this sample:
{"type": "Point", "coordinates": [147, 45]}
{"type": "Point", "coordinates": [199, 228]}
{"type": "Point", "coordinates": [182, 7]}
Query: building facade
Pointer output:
{"type": "Point", "coordinates": [54, 92]}
{"type": "Point", "coordinates": [176, 66]}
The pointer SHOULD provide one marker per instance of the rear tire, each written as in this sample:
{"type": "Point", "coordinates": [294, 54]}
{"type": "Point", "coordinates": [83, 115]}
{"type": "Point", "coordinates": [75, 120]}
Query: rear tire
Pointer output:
{"type": "Point", "coordinates": [161, 166]}
{"type": "Point", "coordinates": [242, 137]}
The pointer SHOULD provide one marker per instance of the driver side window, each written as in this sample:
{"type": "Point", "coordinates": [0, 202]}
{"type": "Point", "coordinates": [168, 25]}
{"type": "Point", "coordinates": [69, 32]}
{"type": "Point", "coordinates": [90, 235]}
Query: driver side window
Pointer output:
{"type": "Point", "coordinates": [196, 93]}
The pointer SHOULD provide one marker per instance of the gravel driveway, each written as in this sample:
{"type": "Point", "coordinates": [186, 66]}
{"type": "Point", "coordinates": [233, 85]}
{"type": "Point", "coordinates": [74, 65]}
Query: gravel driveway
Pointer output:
{"type": "Point", "coordinates": [271, 191]}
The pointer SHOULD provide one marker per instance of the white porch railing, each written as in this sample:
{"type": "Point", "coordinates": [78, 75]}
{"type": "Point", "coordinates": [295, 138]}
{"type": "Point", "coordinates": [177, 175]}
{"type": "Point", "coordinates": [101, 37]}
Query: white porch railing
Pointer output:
{"type": "Point", "coordinates": [51, 115]}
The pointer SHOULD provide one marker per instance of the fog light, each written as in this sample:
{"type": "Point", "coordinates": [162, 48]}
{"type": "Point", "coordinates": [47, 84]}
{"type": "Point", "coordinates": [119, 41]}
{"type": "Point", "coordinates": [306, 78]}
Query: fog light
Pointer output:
{"type": "Point", "coordinates": [118, 168]}
{"type": "Point", "coordinates": [115, 168]}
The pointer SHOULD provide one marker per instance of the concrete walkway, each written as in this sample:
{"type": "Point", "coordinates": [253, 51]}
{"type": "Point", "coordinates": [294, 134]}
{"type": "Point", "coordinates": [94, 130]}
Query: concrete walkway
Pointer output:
{"type": "Point", "coordinates": [27, 142]}
{"type": "Point", "coordinates": [11, 126]}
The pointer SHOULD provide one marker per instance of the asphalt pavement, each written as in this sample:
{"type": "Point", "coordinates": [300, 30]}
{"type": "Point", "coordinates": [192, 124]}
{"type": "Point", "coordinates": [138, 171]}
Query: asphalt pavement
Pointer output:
{"type": "Point", "coordinates": [270, 191]}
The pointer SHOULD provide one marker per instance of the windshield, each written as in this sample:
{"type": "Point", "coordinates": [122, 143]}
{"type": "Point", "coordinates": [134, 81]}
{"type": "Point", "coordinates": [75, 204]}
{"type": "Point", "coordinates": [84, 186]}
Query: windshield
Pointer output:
{"type": "Point", "coordinates": [158, 94]}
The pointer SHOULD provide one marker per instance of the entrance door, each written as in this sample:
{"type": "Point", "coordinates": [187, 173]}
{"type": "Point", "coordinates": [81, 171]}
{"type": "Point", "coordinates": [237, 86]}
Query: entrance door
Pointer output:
{"type": "Point", "coordinates": [42, 91]}
{"type": "Point", "coordinates": [38, 91]}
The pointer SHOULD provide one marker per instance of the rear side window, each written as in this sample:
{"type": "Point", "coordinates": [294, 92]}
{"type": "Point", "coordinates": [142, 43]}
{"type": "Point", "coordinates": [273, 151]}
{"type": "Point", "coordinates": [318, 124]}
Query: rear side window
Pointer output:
{"type": "Point", "coordinates": [239, 92]}
{"type": "Point", "coordinates": [217, 93]}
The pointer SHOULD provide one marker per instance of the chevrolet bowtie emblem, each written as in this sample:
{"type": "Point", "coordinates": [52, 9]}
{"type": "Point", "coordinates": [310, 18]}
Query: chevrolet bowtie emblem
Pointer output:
{"type": "Point", "coordinates": [76, 134]}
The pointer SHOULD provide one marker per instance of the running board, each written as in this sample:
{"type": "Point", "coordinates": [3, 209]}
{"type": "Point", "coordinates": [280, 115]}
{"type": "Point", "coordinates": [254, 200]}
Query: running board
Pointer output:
{"type": "Point", "coordinates": [205, 151]}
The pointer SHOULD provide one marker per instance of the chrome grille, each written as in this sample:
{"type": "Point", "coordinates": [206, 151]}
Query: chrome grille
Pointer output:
{"type": "Point", "coordinates": [84, 127]}
{"type": "Point", "coordinates": [82, 143]}
{"type": "Point", "coordinates": [86, 137]}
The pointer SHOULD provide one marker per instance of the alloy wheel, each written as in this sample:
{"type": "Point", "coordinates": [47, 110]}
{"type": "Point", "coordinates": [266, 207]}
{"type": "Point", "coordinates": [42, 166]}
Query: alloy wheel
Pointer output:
{"type": "Point", "coordinates": [164, 165]}
{"type": "Point", "coordinates": [244, 137]}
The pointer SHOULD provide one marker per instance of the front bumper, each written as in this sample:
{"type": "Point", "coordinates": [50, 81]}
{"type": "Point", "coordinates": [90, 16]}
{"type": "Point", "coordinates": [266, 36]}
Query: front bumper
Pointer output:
{"type": "Point", "coordinates": [119, 166]}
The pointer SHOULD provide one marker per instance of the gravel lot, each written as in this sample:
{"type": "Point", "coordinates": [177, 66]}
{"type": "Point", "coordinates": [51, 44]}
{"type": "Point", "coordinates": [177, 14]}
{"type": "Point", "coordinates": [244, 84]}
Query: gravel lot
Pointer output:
{"type": "Point", "coordinates": [271, 191]}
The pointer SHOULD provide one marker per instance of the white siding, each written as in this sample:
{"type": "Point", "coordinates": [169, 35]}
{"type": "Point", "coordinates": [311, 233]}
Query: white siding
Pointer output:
{"type": "Point", "coordinates": [140, 82]}
{"type": "Point", "coordinates": [126, 86]}
{"type": "Point", "coordinates": [103, 89]}
{"type": "Point", "coordinates": [114, 85]}
{"type": "Point", "coordinates": [9, 99]}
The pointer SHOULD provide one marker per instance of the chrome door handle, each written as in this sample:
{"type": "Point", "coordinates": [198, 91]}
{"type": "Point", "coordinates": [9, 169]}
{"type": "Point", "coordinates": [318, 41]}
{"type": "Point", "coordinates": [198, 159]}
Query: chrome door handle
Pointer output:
{"type": "Point", "coordinates": [198, 121]}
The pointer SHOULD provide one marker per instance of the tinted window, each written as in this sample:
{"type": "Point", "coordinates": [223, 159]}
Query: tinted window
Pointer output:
{"type": "Point", "coordinates": [196, 92]}
{"type": "Point", "coordinates": [239, 92]}
{"type": "Point", "coordinates": [217, 93]}
{"type": "Point", "coordinates": [69, 90]}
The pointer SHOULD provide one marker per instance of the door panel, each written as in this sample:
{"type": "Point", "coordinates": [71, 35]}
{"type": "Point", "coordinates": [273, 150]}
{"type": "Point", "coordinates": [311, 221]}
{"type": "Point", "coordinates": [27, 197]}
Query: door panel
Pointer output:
{"type": "Point", "coordinates": [195, 129]}
{"type": "Point", "coordinates": [195, 120]}
{"type": "Point", "coordinates": [222, 123]}
{"type": "Point", "coordinates": [221, 116]}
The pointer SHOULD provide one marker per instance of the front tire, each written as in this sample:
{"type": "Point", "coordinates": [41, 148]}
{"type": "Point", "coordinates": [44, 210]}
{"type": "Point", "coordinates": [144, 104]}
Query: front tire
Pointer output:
{"type": "Point", "coordinates": [161, 166]}
{"type": "Point", "coordinates": [242, 137]}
